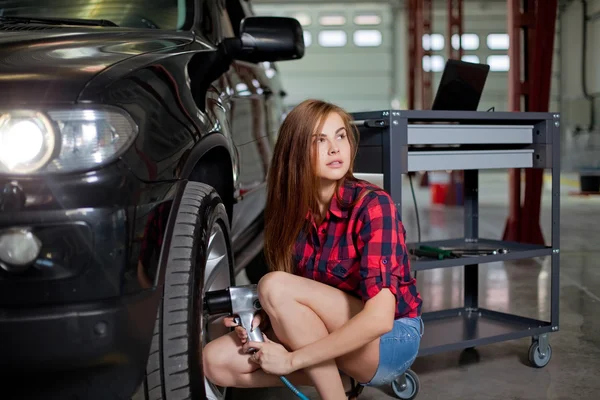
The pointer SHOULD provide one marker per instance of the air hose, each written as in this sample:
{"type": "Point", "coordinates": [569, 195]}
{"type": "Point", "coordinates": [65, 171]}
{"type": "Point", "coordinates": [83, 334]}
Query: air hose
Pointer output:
{"type": "Point", "coordinates": [293, 388]}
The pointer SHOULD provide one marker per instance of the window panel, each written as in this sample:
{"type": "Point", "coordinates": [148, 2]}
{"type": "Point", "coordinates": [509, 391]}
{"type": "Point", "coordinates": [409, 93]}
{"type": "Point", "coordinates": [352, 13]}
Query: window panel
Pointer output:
{"type": "Point", "coordinates": [303, 18]}
{"type": "Point", "coordinates": [498, 63]}
{"type": "Point", "coordinates": [433, 63]}
{"type": "Point", "coordinates": [307, 38]}
{"type": "Point", "coordinates": [332, 38]}
{"type": "Point", "coordinates": [498, 41]}
{"type": "Point", "coordinates": [368, 38]}
{"type": "Point", "coordinates": [470, 41]}
{"type": "Point", "coordinates": [367, 19]}
{"type": "Point", "coordinates": [332, 20]}
{"type": "Point", "coordinates": [434, 42]}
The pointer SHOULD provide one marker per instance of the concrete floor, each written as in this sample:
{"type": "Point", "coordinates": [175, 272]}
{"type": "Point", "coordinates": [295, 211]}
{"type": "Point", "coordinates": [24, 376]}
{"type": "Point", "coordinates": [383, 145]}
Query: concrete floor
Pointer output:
{"type": "Point", "coordinates": [522, 288]}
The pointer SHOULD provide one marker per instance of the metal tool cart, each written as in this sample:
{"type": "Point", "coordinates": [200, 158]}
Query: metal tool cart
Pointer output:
{"type": "Point", "coordinates": [395, 142]}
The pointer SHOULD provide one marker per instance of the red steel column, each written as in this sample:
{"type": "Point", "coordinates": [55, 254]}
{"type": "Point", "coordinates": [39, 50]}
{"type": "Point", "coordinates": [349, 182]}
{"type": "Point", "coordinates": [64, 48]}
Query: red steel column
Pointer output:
{"type": "Point", "coordinates": [542, 51]}
{"type": "Point", "coordinates": [454, 13]}
{"type": "Point", "coordinates": [419, 23]}
{"type": "Point", "coordinates": [512, 231]}
{"type": "Point", "coordinates": [536, 20]}
{"type": "Point", "coordinates": [455, 26]}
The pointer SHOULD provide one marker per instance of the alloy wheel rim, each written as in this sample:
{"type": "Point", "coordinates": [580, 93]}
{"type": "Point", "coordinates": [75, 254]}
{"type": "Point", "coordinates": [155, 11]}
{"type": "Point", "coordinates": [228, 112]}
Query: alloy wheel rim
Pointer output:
{"type": "Point", "coordinates": [216, 276]}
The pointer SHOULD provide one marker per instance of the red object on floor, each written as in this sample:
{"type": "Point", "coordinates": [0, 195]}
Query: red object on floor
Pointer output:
{"type": "Point", "coordinates": [439, 185]}
{"type": "Point", "coordinates": [439, 192]}
{"type": "Point", "coordinates": [455, 190]}
{"type": "Point", "coordinates": [535, 20]}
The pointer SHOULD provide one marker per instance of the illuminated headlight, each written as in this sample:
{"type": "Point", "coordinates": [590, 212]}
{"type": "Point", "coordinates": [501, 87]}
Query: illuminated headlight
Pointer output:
{"type": "Point", "coordinates": [27, 142]}
{"type": "Point", "coordinates": [33, 142]}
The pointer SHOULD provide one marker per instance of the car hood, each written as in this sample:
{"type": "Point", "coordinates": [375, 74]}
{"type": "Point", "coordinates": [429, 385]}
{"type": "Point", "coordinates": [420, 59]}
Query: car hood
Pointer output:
{"type": "Point", "coordinates": [53, 64]}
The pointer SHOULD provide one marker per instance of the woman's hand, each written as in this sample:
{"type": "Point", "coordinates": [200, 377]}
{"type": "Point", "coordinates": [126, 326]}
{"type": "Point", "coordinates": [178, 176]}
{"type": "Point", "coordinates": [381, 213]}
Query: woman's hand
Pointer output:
{"type": "Point", "coordinates": [272, 357]}
{"type": "Point", "coordinates": [260, 319]}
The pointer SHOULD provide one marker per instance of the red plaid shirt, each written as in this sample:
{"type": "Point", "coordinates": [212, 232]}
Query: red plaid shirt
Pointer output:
{"type": "Point", "coordinates": [360, 250]}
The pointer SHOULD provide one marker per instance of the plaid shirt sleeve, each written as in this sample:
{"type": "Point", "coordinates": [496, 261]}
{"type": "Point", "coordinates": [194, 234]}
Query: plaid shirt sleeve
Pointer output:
{"type": "Point", "coordinates": [384, 256]}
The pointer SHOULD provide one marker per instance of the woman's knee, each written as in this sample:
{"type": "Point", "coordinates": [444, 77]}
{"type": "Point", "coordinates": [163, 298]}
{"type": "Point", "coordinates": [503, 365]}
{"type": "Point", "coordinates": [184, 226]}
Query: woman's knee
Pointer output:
{"type": "Point", "coordinates": [273, 289]}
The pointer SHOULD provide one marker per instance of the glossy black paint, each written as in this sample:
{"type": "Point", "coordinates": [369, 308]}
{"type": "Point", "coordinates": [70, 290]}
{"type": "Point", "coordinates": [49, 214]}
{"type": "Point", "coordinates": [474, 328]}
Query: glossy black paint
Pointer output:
{"type": "Point", "coordinates": [54, 65]}
{"type": "Point", "coordinates": [112, 209]}
{"type": "Point", "coordinates": [201, 115]}
{"type": "Point", "coordinates": [92, 351]}
{"type": "Point", "coordinates": [270, 39]}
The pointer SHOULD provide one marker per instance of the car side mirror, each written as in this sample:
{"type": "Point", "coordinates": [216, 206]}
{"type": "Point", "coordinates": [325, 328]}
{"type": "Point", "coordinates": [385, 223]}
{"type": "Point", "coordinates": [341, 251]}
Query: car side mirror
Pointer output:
{"type": "Point", "coordinates": [267, 39]}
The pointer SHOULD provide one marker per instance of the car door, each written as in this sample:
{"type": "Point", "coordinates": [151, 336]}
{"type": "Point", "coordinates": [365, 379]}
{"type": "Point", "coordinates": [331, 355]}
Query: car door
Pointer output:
{"type": "Point", "coordinates": [267, 74]}
{"type": "Point", "coordinates": [249, 134]}
{"type": "Point", "coordinates": [242, 99]}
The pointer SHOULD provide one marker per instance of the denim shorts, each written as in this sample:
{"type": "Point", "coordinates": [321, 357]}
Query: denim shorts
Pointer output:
{"type": "Point", "coordinates": [397, 350]}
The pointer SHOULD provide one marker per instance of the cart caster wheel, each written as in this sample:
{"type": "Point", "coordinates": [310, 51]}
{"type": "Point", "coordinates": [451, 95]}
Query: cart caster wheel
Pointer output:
{"type": "Point", "coordinates": [470, 355]}
{"type": "Point", "coordinates": [406, 387]}
{"type": "Point", "coordinates": [536, 358]}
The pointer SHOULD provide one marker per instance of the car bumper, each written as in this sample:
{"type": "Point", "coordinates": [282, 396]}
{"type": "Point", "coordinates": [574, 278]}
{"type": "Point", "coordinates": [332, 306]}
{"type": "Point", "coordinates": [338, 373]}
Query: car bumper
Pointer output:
{"type": "Point", "coordinates": [101, 347]}
{"type": "Point", "coordinates": [78, 323]}
{"type": "Point", "coordinates": [94, 236]}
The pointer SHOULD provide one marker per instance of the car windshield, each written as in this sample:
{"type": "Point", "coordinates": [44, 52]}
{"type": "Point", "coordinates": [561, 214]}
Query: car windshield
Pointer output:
{"type": "Point", "coordinates": [154, 14]}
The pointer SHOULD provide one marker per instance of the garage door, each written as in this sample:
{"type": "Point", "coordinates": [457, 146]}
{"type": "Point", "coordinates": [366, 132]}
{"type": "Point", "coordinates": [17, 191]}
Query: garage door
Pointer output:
{"type": "Point", "coordinates": [348, 58]}
{"type": "Point", "coordinates": [356, 54]}
{"type": "Point", "coordinates": [485, 40]}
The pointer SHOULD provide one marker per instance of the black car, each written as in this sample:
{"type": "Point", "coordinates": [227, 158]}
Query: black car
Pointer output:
{"type": "Point", "coordinates": [135, 140]}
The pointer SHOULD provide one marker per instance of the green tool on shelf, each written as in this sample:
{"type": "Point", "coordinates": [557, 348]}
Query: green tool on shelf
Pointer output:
{"type": "Point", "coordinates": [440, 252]}
{"type": "Point", "coordinates": [433, 252]}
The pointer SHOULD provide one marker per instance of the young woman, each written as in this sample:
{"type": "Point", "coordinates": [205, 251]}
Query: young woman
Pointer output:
{"type": "Point", "coordinates": [340, 296]}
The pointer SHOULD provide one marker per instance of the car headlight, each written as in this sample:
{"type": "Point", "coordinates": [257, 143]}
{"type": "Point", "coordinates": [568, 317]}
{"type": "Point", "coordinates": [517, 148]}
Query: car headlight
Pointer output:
{"type": "Point", "coordinates": [33, 142]}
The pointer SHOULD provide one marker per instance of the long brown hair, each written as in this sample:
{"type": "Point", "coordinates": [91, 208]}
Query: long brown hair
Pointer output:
{"type": "Point", "coordinates": [293, 185]}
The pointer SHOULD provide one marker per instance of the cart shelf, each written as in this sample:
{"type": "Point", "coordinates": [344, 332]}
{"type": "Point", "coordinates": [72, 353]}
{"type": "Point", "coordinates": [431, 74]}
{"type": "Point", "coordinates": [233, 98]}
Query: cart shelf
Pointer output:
{"type": "Point", "coordinates": [394, 142]}
{"type": "Point", "coordinates": [516, 251]}
{"type": "Point", "coordinates": [461, 328]}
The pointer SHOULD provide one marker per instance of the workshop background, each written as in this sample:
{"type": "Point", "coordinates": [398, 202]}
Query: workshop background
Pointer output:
{"type": "Point", "coordinates": [358, 55]}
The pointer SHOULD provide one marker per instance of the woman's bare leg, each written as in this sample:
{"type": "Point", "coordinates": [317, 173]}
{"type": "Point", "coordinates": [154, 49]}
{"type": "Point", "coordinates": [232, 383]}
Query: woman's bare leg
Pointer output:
{"type": "Point", "coordinates": [226, 365]}
{"type": "Point", "coordinates": [303, 311]}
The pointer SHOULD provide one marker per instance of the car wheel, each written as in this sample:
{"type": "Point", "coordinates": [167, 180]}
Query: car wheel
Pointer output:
{"type": "Point", "coordinates": [200, 259]}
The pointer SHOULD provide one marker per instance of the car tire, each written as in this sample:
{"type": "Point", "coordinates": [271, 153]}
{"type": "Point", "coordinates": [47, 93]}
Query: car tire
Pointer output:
{"type": "Point", "coordinates": [200, 258]}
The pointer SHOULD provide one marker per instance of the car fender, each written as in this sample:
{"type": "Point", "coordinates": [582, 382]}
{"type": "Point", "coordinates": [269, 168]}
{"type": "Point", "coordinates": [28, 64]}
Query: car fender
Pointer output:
{"type": "Point", "coordinates": [200, 149]}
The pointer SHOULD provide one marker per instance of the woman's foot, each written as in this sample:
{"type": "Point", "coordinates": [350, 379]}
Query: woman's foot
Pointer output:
{"type": "Point", "coordinates": [351, 387]}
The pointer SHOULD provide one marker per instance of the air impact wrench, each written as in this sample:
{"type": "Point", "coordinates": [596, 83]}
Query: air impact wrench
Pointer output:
{"type": "Point", "coordinates": [242, 303]}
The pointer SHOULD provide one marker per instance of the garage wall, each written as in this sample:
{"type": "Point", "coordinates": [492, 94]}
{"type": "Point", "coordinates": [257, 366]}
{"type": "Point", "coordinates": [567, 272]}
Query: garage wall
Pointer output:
{"type": "Point", "coordinates": [581, 142]}
{"type": "Point", "coordinates": [485, 40]}
{"type": "Point", "coordinates": [346, 63]}
{"type": "Point", "coordinates": [368, 78]}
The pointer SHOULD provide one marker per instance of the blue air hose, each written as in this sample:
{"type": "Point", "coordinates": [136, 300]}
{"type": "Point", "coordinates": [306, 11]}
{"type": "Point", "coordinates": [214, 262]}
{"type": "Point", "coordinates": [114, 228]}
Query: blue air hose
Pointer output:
{"type": "Point", "coordinates": [293, 388]}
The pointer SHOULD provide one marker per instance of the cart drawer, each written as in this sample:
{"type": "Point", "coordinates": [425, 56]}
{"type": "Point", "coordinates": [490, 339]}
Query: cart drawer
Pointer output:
{"type": "Point", "coordinates": [466, 159]}
{"type": "Point", "coordinates": [469, 134]}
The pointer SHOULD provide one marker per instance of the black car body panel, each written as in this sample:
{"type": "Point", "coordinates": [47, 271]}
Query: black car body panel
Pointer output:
{"type": "Point", "coordinates": [92, 351]}
{"type": "Point", "coordinates": [200, 114]}
{"type": "Point", "coordinates": [53, 65]}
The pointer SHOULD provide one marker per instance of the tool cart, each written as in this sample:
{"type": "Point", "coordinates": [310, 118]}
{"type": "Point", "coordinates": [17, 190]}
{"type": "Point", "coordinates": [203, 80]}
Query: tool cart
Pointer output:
{"type": "Point", "coordinates": [395, 142]}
